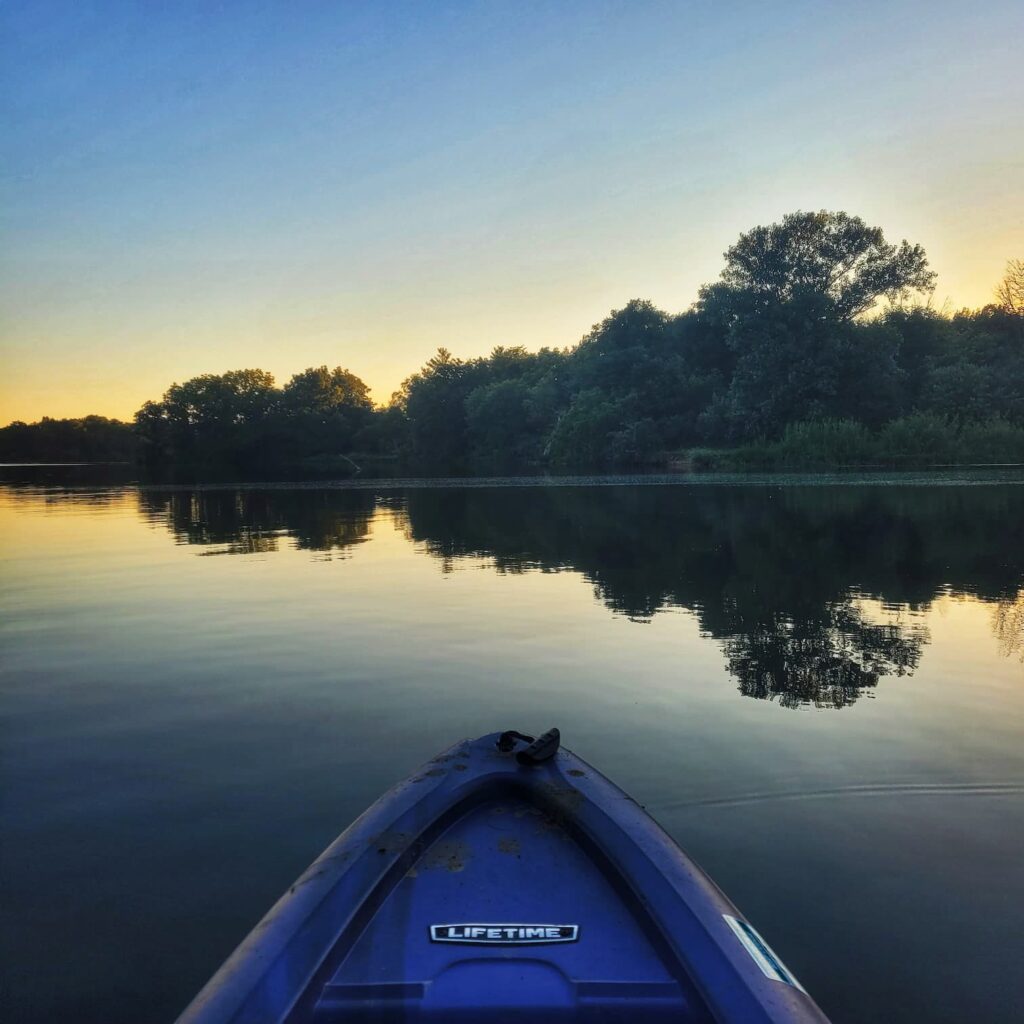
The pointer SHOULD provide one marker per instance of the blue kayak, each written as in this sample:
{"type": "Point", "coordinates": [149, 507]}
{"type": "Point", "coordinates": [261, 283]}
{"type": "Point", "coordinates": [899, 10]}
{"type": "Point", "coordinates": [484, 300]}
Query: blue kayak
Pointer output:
{"type": "Point", "coordinates": [506, 880]}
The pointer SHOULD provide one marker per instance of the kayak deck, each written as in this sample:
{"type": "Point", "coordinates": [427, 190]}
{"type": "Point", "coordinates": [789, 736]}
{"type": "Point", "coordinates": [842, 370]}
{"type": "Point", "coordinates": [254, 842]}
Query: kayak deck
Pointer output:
{"type": "Point", "coordinates": [492, 885]}
{"type": "Point", "coordinates": [502, 865]}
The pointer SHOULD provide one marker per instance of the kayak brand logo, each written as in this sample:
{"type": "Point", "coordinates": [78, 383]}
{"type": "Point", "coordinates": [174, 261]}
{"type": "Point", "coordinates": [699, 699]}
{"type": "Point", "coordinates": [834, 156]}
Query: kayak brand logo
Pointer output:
{"type": "Point", "coordinates": [504, 934]}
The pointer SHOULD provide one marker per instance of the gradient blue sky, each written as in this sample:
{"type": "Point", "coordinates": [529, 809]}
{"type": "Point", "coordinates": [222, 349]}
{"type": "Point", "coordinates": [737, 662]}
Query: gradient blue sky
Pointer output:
{"type": "Point", "coordinates": [197, 187]}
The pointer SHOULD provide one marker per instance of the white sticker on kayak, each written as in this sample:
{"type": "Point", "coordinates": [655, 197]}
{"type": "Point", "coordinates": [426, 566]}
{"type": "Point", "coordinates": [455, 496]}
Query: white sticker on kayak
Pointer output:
{"type": "Point", "coordinates": [761, 953]}
{"type": "Point", "coordinates": [504, 934]}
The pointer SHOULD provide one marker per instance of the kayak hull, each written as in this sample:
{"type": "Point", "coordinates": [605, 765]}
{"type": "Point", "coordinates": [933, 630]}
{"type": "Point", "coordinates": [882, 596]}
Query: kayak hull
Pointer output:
{"type": "Point", "coordinates": [481, 886]}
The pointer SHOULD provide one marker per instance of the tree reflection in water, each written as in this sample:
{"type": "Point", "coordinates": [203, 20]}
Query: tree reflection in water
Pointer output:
{"type": "Point", "coordinates": [827, 663]}
{"type": "Point", "coordinates": [785, 578]}
{"type": "Point", "coordinates": [1008, 625]}
{"type": "Point", "coordinates": [244, 521]}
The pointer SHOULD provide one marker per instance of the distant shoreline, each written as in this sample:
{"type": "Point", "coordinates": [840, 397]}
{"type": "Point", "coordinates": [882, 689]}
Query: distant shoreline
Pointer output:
{"type": "Point", "coordinates": [14, 465]}
{"type": "Point", "coordinates": [930, 477]}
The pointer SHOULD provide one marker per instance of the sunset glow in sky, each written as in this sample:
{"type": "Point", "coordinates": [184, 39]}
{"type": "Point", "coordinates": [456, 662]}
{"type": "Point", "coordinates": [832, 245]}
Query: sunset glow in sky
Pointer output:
{"type": "Point", "coordinates": [191, 188]}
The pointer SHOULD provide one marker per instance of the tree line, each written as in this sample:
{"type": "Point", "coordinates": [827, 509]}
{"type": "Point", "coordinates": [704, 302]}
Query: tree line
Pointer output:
{"type": "Point", "coordinates": [89, 439]}
{"type": "Point", "coordinates": [817, 338]}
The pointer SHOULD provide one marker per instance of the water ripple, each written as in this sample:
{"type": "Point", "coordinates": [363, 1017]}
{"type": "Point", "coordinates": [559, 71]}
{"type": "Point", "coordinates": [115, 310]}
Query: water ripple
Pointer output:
{"type": "Point", "coordinates": [875, 789]}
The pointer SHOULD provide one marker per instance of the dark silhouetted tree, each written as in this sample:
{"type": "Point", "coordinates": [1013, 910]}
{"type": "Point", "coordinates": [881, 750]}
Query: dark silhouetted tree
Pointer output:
{"type": "Point", "coordinates": [1010, 291]}
{"type": "Point", "coordinates": [828, 254]}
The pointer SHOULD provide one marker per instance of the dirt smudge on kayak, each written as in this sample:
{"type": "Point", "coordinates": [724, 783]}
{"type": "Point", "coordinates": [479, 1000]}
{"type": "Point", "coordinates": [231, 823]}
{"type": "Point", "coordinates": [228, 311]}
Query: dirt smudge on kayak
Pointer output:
{"type": "Point", "coordinates": [524, 809]}
{"type": "Point", "coordinates": [391, 842]}
{"type": "Point", "coordinates": [552, 826]}
{"type": "Point", "coordinates": [508, 844]}
{"type": "Point", "coordinates": [320, 868]}
{"type": "Point", "coordinates": [448, 855]}
{"type": "Point", "coordinates": [566, 798]}
{"type": "Point", "coordinates": [577, 772]}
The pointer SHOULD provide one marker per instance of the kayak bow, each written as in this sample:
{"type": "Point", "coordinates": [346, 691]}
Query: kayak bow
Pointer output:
{"type": "Point", "coordinates": [506, 880]}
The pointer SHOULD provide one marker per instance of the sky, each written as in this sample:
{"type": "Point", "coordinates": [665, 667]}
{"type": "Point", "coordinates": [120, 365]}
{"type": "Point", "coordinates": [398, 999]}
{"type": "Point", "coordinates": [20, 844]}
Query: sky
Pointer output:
{"type": "Point", "coordinates": [191, 188]}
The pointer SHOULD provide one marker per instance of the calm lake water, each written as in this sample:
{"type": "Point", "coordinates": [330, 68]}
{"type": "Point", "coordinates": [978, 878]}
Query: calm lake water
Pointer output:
{"type": "Point", "coordinates": [816, 687]}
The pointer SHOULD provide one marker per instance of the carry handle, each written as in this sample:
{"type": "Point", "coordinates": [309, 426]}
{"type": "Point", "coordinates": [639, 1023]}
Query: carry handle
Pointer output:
{"type": "Point", "coordinates": [541, 749]}
{"type": "Point", "coordinates": [507, 740]}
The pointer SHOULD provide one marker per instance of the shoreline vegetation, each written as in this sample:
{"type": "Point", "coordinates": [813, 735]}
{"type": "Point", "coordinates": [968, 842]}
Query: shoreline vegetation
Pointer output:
{"type": "Point", "coordinates": [913, 442]}
{"type": "Point", "coordinates": [816, 349]}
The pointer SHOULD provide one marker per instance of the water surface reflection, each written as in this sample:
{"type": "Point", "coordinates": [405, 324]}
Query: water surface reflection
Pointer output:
{"type": "Point", "coordinates": [814, 593]}
{"type": "Point", "coordinates": [181, 734]}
